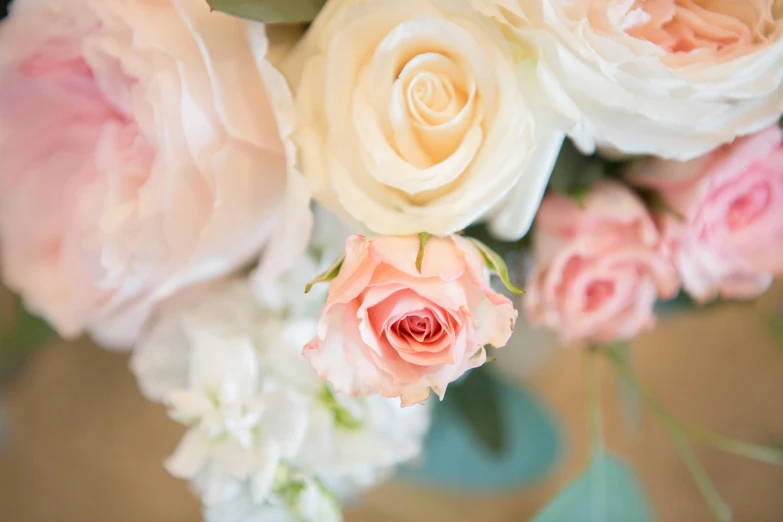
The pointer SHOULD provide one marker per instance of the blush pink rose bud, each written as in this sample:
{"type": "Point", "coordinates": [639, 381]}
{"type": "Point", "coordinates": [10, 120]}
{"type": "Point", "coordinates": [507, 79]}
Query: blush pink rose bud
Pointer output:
{"type": "Point", "coordinates": [723, 215]}
{"type": "Point", "coordinates": [140, 153]}
{"type": "Point", "coordinates": [598, 267]}
{"type": "Point", "coordinates": [389, 327]}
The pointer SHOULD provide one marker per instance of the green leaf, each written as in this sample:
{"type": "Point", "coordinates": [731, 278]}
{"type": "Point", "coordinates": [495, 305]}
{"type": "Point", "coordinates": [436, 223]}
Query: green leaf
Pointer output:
{"type": "Point", "coordinates": [270, 11]}
{"type": "Point", "coordinates": [481, 233]}
{"type": "Point", "coordinates": [574, 172]}
{"type": "Point", "coordinates": [328, 275]}
{"type": "Point", "coordinates": [477, 403]}
{"type": "Point", "coordinates": [423, 238]}
{"type": "Point", "coordinates": [23, 335]}
{"type": "Point", "coordinates": [606, 492]}
{"type": "Point", "coordinates": [569, 167]}
{"type": "Point", "coordinates": [495, 263]}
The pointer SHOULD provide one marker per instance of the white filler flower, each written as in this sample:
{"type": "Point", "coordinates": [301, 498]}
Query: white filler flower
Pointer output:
{"type": "Point", "coordinates": [267, 439]}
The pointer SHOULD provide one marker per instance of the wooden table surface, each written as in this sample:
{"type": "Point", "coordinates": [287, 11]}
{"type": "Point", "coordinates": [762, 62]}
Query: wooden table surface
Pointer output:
{"type": "Point", "coordinates": [86, 447]}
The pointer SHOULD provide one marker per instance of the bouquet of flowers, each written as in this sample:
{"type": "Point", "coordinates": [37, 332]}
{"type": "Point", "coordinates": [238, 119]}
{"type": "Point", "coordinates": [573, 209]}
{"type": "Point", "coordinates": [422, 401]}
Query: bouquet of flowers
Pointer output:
{"type": "Point", "coordinates": [310, 219]}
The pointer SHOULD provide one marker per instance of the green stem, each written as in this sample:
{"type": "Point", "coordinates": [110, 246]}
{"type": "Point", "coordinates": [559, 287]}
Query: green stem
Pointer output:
{"type": "Point", "coordinates": [679, 435]}
{"type": "Point", "coordinates": [740, 448]}
{"type": "Point", "coordinates": [596, 409]}
{"type": "Point", "coordinates": [766, 454]}
{"type": "Point", "coordinates": [711, 495]}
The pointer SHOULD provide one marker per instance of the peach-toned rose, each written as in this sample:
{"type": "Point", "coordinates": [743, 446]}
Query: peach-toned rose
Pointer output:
{"type": "Point", "coordinates": [599, 269]}
{"type": "Point", "coordinates": [388, 327]}
{"type": "Point", "coordinates": [685, 28]}
{"type": "Point", "coordinates": [139, 153]}
{"type": "Point", "coordinates": [724, 222]}
{"type": "Point", "coordinates": [674, 78]}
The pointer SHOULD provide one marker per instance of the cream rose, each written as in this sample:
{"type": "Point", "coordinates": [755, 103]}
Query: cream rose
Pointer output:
{"type": "Point", "coordinates": [412, 119]}
{"type": "Point", "coordinates": [140, 153]}
{"type": "Point", "coordinates": [674, 78]}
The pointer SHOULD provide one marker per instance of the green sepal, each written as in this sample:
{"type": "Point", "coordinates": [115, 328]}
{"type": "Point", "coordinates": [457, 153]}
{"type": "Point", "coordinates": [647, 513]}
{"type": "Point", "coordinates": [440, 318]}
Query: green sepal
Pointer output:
{"type": "Point", "coordinates": [423, 238]}
{"type": "Point", "coordinates": [495, 263]}
{"type": "Point", "coordinates": [327, 275]}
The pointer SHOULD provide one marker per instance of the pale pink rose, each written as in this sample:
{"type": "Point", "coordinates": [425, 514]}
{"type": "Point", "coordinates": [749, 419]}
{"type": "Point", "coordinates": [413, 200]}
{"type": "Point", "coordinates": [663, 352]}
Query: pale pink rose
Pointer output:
{"type": "Point", "coordinates": [598, 267]}
{"type": "Point", "coordinates": [724, 215]}
{"type": "Point", "coordinates": [139, 153]}
{"type": "Point", "coordinates": [389, 328]}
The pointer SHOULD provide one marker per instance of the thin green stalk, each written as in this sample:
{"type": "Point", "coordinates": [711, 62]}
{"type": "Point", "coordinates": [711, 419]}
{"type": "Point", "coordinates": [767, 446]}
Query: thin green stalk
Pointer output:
{"type": "Point", "coordinates": [766, 454]}
{"type": "Point", "coordinates": [718, 506]}
{"type": "Point", "coordinates": [595, 411]}
{"type": "Point", "coordinates": [740, 448]}
{"type": "Point", "coordinates": [679, 435]}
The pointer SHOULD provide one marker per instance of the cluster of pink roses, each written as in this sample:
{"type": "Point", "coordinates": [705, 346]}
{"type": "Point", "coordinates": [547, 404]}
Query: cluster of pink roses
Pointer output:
{"type": "Point", "coordinates": [716, 228]}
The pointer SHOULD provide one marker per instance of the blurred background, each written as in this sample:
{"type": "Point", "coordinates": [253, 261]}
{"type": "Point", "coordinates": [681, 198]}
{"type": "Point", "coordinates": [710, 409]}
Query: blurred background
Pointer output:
{"type": "Point", "coordinates": [80, 444]}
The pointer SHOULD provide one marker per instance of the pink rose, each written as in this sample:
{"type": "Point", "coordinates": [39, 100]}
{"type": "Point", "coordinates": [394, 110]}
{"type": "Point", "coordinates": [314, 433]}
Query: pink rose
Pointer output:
{"type": "Point", "coordinates": [388, 327]}
{"type": "Point", "coordinates": [725, 225]}
{"type": "Point", "coordinates": [598, 267]}
{"type": "Point", "coordinates": [140, 153]}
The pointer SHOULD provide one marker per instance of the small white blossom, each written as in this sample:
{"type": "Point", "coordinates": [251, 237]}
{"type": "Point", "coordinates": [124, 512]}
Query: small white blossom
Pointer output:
{"type": "Point", "coordinates": [295, 498]}
{"type": "Point", "coordinates": [267, 439]}
{"type": "Point", "coordinates": [240, 425]}
{"type": "Point", "coordinates": [361, 438]}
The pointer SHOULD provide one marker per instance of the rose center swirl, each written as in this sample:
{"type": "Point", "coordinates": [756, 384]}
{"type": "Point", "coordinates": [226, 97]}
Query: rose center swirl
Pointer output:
{"type": "Point", "coordinates": [434, 105]}
{"type": "Point", "coordinates": [683, 26]}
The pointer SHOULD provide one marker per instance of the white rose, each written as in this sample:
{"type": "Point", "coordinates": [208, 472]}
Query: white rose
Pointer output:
{"type": "Point", "coordinates": [674, 78]}
{"type": "Point", "coordinates": [411, 118]}
{"type": "Point", "coordinates": [143, 148]}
